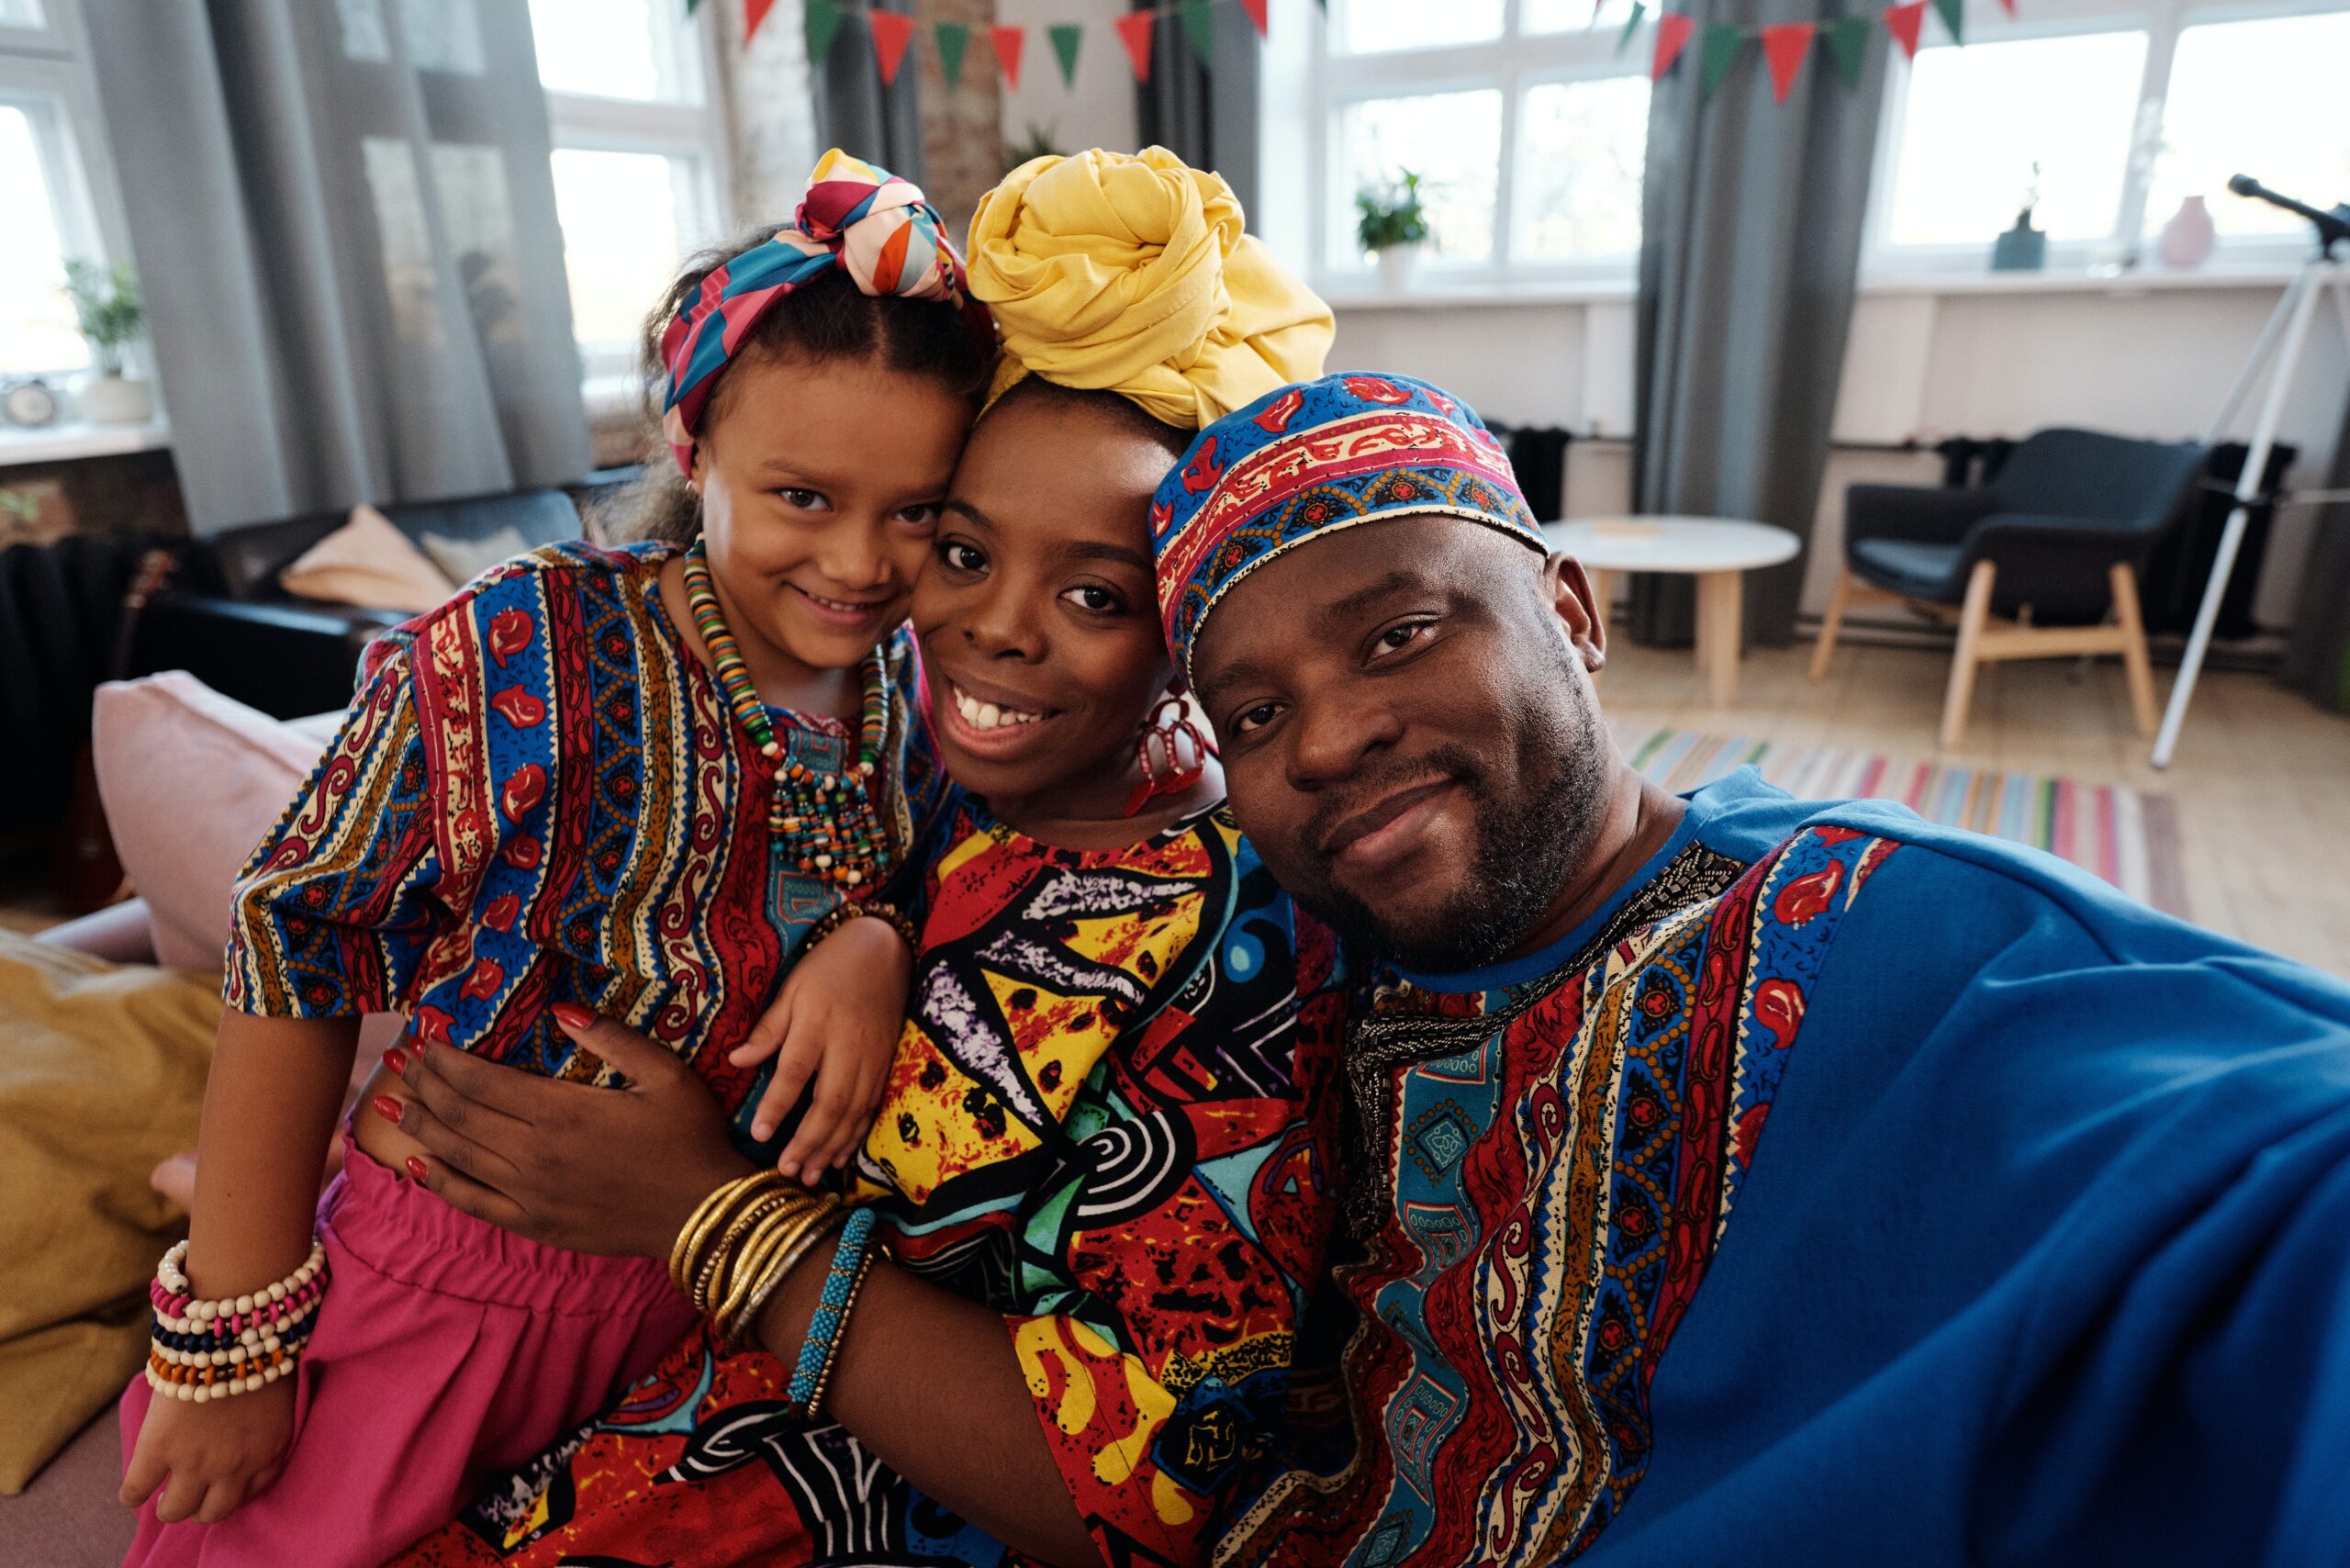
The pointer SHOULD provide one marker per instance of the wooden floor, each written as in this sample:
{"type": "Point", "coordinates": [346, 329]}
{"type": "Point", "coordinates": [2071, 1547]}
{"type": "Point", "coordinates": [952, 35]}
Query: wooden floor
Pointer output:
{"type": "Point", "coordinates": [2261, 778]}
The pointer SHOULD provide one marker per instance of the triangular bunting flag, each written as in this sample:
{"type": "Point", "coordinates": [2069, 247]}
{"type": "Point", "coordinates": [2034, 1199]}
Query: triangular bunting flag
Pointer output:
{"type": "Point", "coordinates": [1903, 22]}
{"type": "Point", "coordinates": [1623, 39]}
{"type": "Point", "coordinates": [1256, 9]}
{"type": "Point", "coordinates": [1953, 15]}
{"type": "Point", "coordinates": [1067, 37]}
{"type": "Point", "coordinates": [1673, 32]}
{"type": "Point", "coordinates": [823, 20]}
{"type": "Point", "coordinates": [892, 31]}
{"type": "Point", "coordinates": [1008, 42]}
{"type": "Point", "coordinates": [1135, 31]}
{"type": "Point", "coordinates": [692, 5]}
{"type": "Point", "coordinates": [1783, 47]}
{"type": "Point", "coordinates": [1848, 41]}
{"type": "Point", "coordinates": [1719, 51]}
{"type": "Point", "coordinates": [2010, 6]}
{"type": "Point", "coordinates": [953, 38]}
{"type": "Point", "coordinates": [1199, 21]}
{"type": "Point", "coordinates": [755, 11]}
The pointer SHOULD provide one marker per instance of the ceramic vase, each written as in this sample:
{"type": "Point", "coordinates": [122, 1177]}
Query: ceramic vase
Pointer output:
{"type": "Point", "coordinates": [1396, 265]}
{"type": "Point", "coordinates": [2187, 239]}
{"type": "Point", "coordinates": [117, 400]}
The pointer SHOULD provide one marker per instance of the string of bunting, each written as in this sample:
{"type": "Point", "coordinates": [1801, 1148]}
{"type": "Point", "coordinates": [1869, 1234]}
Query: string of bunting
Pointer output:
{"type": "Point", "coordinates": [893, 35]}
{"type": "Point", "coordinates": [1786, 45]}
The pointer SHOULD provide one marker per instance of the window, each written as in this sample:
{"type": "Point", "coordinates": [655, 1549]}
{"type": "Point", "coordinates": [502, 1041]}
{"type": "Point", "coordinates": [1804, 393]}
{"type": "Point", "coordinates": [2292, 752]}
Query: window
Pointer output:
{"type": "Point", "coordinates": [1527, 127]}
{"type": "Point", "coordinates": [2127, 108]}
{"type": "Point", "coordinates": [57, 201]}
{"type": "Point", "coordinates": [638, 158]}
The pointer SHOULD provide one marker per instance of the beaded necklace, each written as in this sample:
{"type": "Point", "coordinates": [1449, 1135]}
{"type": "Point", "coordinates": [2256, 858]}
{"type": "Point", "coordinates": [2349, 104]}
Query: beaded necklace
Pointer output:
{"type": "Point", "coordinates": [826, 825]}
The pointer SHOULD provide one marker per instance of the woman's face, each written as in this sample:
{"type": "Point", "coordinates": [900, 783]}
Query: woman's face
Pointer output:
{"type": "Point", "coordinates": [821, 486]}
{"type": "Point", "coordinates": [1038, 623]}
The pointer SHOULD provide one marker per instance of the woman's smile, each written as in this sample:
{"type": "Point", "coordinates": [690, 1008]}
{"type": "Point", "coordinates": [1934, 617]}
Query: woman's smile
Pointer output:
{"type": "Point", "coordinates": [990, 722]}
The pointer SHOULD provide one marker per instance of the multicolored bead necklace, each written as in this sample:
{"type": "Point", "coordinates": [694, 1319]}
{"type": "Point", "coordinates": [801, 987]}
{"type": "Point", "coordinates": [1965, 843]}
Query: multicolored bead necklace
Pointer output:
{"type": "Point", "coordinates": [826, 825]}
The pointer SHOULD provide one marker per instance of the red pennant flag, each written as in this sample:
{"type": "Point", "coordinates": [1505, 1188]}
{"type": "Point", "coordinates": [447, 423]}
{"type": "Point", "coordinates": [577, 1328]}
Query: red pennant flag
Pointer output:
{"type": "Point", "coordinates": [1673, 32]}
{"type": "Point", "coordinates": [1008, 41]}
{"type": "Point", "coordinates": [2010, 6]}
{"type": "Point", "coordinates": [892, 31]}
{"type": "Point", "coordinates": [1256, 9]}
{"type": "Point", "coordinates": [754, 13]}
{"type": "Point", "coordinates": [1785, 46]}
{"type": "Point", "coordinates": [1135, 29]}
{"type": "Point", "coordinates": [1903, 22]}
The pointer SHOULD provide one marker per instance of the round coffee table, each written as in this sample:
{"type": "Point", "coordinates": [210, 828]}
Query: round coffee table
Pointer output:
{"type": "Point", "coordinates": [1716, 551]}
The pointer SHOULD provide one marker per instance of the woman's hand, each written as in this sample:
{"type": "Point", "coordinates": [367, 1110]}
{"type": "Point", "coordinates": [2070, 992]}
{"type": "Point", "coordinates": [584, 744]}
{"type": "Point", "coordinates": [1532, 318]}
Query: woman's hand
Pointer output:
{"type": "Point", "coordinates": [837, 1020]}
{"type": "Point", "coordinates": [617, 1171]}
{"type": "Point", "coordinates": [210, 1458]}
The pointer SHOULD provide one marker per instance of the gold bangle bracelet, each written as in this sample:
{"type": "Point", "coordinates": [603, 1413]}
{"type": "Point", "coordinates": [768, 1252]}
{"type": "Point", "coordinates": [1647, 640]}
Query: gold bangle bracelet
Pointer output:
{"type": "Point", "coordinates": [754, 1309]}
{"type": "Point", "coordinates": [709, 1216]}
{"type": "Point", "coordinates": [757, 1260]}
{"type": "Point", "coordinates": [709, 1276]}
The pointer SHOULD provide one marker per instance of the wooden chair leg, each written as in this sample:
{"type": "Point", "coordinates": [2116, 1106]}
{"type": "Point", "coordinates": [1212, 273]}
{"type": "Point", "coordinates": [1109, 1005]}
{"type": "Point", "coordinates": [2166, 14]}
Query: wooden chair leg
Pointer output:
{"type": "Point", "coordinates": [2135, 665]}
{"type": "Point", "coordinates": [1971, 618]}
{"type": "Point", "coordinates": [1839, 599]}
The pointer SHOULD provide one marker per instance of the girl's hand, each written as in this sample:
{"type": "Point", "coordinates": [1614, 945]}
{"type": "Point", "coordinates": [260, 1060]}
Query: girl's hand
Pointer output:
{"type": "Point", "coordinates": [617, 1171]}
{"type": "Point", "coordinates": [838, 1019]}
{"type": "Point", "coordinates": [209, 1458]}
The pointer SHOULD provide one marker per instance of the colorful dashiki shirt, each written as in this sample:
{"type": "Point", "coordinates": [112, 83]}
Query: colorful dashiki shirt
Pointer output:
{"type": "Point", "coordinates": [1110, 1120]}
{"type": "Point", "coordinates": [539, 795]}
{"type": "Point", "coordinates": [2045, 1257]}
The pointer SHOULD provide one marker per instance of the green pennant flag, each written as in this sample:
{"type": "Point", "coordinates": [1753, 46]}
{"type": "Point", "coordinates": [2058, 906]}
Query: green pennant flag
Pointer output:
{"type": "Point", "coordinates": [1953, 13]}
{"type": "Point", "coordinates": [823, 20]}
{"type": "Point", "coordinates": [953, 38]}
{"type": "Point", "coordinates": [1718, 50]}
{"type": "Point", "coordinates": [1066, 37]}
{"type": "Point", "coordinates": [1848, 41]}
{"type": "Point", "coordinates": [692, 5]}
{"type": "Point", "coordinates": [1199, 21]}
{"type": "Point", "coordinates": [1631, 25]}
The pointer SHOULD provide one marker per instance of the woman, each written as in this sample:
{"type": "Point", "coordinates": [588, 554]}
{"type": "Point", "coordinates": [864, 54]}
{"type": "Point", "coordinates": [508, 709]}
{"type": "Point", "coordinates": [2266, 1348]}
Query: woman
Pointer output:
{"type": "Point", "coordinates": [1103, 1157]}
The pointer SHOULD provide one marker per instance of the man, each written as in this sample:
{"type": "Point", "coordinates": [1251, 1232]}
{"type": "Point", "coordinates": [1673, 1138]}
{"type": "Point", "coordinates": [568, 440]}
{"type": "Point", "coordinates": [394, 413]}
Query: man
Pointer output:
{"type": "Point", "coordinates": [2044, 1255]}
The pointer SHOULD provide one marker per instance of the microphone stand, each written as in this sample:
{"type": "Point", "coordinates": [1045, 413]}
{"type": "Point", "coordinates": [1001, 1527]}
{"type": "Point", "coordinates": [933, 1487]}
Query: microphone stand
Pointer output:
{"type": "Point", "coordinates": [2285, 335]}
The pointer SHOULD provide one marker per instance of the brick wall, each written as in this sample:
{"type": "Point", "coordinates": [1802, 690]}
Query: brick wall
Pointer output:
{"type": "Point", "coordinates": [962, 145]}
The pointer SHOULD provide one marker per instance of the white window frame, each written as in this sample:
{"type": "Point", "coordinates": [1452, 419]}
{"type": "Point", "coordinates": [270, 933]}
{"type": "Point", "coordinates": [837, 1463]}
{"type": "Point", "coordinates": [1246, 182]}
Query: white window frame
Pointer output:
{"type": "Point", "coordinates": [1337, 78]}
{"type": "Point", "coordinates": [582, 122]}
{"type": "Point", "coordinates": [45, 72]}
{"type": "Point", "coordinates": [2162, 21]}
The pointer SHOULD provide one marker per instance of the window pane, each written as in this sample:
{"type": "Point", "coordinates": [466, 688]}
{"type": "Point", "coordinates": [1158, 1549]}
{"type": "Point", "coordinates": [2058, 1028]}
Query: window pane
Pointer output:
{"type": "Point", "coordinates": [1374, 25]}
{"type": "Point", "coordinates": [639, 50]}
{"type": "Point", "coordinates": [1978, 118]}
{"type": "Point", "coordinates": [2262, 98]}
{"type": "Point", "coordinates": [438, 35]}
{"type": "Point", "coordinates": [1453, 141]}
{"type": "Point", "coordinates": [1581, 152]}
{"type": "Point", "coordinates": [20, 13]}
{"type": "Point", "coordinates": [1565, 15]}
{"type": "Point", "coordinates": [627, 218]}
{"type": "Point", "coordinates": [37, 330]}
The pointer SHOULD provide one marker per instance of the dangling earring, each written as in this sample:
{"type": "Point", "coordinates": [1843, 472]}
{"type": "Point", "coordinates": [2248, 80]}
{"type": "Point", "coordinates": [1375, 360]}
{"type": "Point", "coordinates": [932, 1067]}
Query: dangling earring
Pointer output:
{"type": "Point", "coordinates": [1166, 768]}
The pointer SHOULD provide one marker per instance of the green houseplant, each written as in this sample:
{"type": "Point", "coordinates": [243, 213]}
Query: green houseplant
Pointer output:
{"type": "Point", "coordinates": [1394, 227]}
{"type": "Point", "coordinates": [107, 302]}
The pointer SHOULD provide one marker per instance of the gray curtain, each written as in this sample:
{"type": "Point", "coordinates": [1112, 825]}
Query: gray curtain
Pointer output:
{"type": "Point", "coordinates": [2317, 661]}
{"type": "Point", "coordinates": [345, 227]}
{"type": "Point", "coordinates": [1750, 235]}
{"type": "Point", "coordinates": [1205, 116]}
{"type": "Point", "coordinates": [856, 114]}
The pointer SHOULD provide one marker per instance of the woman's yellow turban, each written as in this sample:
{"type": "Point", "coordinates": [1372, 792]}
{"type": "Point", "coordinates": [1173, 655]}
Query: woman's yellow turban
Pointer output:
{"type": "Point", "coordinates": [1131, 274]}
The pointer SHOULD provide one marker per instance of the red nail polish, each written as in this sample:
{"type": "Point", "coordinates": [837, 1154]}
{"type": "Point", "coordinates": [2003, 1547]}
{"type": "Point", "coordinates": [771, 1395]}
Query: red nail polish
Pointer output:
{"type": "Point", "coordinates": [388, 1108]}
{"type": "Point", "coordinates": [397, 1061]}
{"type": "Point", "coordinates": [571, 1015]}
{"type": "Point", "coordinates": [416, 1044]}
{"type": "Point", "coordinates": [415, 1167]}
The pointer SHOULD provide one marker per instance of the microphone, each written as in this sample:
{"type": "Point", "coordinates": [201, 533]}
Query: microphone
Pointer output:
{"type": "Point", "coordinates": [2333, 228]}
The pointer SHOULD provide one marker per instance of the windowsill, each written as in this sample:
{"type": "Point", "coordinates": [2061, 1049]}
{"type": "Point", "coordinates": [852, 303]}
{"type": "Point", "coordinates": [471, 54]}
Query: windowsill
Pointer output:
{"type": "Point", "coordinates": [1439, 294]}
{"type": "Point", "coordinates": [65, 442]}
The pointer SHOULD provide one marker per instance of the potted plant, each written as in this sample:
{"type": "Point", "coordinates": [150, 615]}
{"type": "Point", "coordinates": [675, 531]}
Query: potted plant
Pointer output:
{"type": "Point", "coordinates": [111, 319]}
{"type": "Point", "coordinates": [2023, 249]}
{"type": "Point", "coordinates": [1393, 228]}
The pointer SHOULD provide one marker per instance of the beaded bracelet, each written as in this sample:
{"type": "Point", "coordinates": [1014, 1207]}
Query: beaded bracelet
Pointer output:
{"type": "Point", "coordinates": [200, 1350]}
{"type": "Point", "coordinates": [841, 914]}
{"type": "Point", "coordinates": [832, 1356]}
{"type": "Point", "coordinates": [850, 1255]}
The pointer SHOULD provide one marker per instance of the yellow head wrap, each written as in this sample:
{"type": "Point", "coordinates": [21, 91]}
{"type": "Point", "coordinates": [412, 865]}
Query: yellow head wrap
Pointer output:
{"type": "Point", "coordinates": [1131, 274]}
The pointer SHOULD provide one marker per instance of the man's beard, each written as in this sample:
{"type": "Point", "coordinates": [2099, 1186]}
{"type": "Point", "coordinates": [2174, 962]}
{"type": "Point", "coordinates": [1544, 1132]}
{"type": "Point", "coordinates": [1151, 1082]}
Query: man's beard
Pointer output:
{"type": "Point", "coordinates": [1526, 845]}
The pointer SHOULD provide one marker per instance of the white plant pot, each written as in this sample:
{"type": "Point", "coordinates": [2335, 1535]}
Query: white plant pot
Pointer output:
{"type": "Point", "coordinates": [1396, 265]}
{"type": "Point", "coordinates": [2187, 239]}
{"type": "Point", "coordinates": [117, 400]}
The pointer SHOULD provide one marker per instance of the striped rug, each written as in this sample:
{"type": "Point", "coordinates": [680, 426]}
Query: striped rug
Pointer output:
{"type": "Point", "coordinates": [2124, 835]}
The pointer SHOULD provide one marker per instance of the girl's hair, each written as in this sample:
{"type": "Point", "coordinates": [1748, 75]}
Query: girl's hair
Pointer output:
{"type": "Point", "coordinates": [825, 319]}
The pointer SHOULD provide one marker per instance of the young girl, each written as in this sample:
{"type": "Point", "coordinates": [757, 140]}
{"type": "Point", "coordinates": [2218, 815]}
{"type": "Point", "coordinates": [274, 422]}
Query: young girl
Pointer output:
{"type": "Point", "coordinates": [633, 783]}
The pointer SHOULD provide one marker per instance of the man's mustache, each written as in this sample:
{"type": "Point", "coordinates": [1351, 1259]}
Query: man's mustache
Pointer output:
{"type": "Point", "coordinates": [1447, 764]}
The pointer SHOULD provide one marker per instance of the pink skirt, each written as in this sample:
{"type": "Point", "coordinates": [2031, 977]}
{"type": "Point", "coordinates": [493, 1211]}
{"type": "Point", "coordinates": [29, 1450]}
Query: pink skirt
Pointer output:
{"type": "Point", "coordinates": [446, 1349]}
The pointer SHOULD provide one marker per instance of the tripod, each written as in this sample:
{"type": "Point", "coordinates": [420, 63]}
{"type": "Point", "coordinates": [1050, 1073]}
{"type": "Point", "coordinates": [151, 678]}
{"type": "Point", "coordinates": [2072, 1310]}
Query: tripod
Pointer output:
{"type": "Point", "coordinates": [2287, 332]}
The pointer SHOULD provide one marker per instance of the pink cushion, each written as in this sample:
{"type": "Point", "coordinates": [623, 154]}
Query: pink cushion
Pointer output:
{"type": "Point", "coordinates": [191, 780]}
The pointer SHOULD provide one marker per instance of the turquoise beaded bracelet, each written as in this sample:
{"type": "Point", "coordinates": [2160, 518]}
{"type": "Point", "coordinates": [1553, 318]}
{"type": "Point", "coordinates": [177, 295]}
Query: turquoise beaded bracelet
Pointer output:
{"type": "Point", "coordinates": [841, 1280]}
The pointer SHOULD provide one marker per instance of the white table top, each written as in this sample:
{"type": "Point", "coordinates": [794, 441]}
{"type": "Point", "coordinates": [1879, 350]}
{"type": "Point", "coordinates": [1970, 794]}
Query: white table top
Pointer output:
{"type": "Point", "coordinates": [1672, 544]}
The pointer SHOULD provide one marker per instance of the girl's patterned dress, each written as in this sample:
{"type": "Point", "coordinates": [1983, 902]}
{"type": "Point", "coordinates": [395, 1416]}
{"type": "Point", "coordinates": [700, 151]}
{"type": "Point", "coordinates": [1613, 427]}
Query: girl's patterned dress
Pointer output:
{"type": "Point", "coordinates": [1109, 1120]}
{"type": "Point", "coordinates": [539, 795]}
